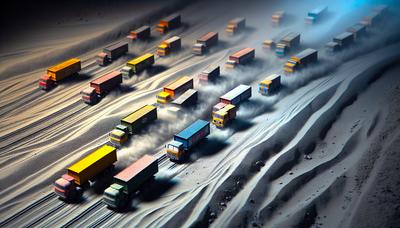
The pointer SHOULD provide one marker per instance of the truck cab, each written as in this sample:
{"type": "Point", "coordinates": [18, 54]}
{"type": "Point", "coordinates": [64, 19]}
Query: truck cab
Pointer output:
{"type": "Point", "coordinates": [89, 95]}
{"type": "Point", "coordinates": [46, 83]}
{"type": "Point", "coordinates": [281, 50]}
{"type": "Point", "coordinates": [163, 49]}
{"type": "Point", "coordinates": [114, 196]}
{"type": "Point", "coordinates": [102, 59]}
{"type": "Point", "coordinates": [126, 71]}
{"type": "Point", "coordinates": [199, 49]}
{"type": "Point", "coordinates": [119, 135]}
{"type": "Point", "coordinates": [162, 27]}
{"type": "Point", "coordinates": [223, 116]}
{"type": "Point", "coordinates": [290, 66]}
{"type": "Point", "coordinates": [174, 150]}
{"type": "Point", "coordinates": [230, 64]}
{"type": "Point", "coordinates": [66, 188]}
{"type": "Point", "coordinates": [163, 97]}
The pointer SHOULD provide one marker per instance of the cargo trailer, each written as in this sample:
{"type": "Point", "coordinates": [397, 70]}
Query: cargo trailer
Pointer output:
{"type": "Point", "coordinates": [332, 47]}
{"type": "Point", "coordinates": [358, 31]}
{"type": "Point", "coordinates": [277, 17]}
{"type": "Point", "coordinates": [169, 23]}
{"type": "Point", "coordinates": [315, 15]}
{"type": "Point", "coordinates": [345, 39]}
{"type": "Point", "coordinates": [270, 84]}
{"type": "Point", "coordinates": [174, 89]}
{"type": "Point", "coordinates": [111, 53]}
{"type": "Point", "coordinates": [139, 118]}
{"type": "Point", "coordinates": [142, 33]}
{"type": "Point", "coordinates": [209, 75]}
{"type": "Point", "coordinates": [72, 184]}
{"type": "Point", "coordinates": [236, 25]}
{"type": "Point", "coordinates": [102, 86]}
{"type": "Point", "coordinates": [129, 181]}
{"type": "Point", "coordinates": [187, 99]}
{"type": "Point", "coordinates": [301, 60]}
{"type": "Point", "coordinates": [59, 72]}
{"type": "Point", "coordinates": [241, 57]}
{"type": "Point", "coordinates": [223, 114]}
{"type": "Point", "coordinates": [204, 43]}
{"type": "Point", "coordinates": [236, 95]}
{"type": "Point", "coordinates": [173, 44]}
{"type": "Point", "coordinates": [138, 64]}
{"type": "Point", "coordinates": [288, 43]}
{"type": "Point", "coordinates": [186, 139]}
{"type": "Point", "coordinates": [371, 20]}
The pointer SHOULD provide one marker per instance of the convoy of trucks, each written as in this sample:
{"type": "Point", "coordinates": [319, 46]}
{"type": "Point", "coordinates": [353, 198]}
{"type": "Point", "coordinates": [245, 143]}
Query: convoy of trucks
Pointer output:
{"type": "Point", "coordinates": [72, 184]}
{"type": "Point", "coordinates": [142, 33]}
{"type": "Point", "coordinates": [209, 75]}
{"type": "Point", "coordinates": [186, 139]}
{"type": "Point", "coordinates": [270, 84]}
{"type": "Point", "coordinates": [288, 43]}
{"type": "Point", "coordinates": [101, 86]}
{"type": "Point", "coordinates": [59, 72]}
{"type": "Point", "coordinates": [176, 88]}
{"type": "Point", "coordinates": [129, 181]}
{"type": "Point", "coordinates": [172, 44]}
{"type": "Point", "coordinates": [167, 24]}
{"type": "Point", "coordinates": [204, 43]}
{"type": "Point", "coordinates": [111, 53]}
{"type": "Point", "coordinates": [301, 60]}
{"type": "Point", "coordinates": [315, 15]}
{"type": "Point", "coordinates": [236, 25]}
{"type": "Point", "coordinates": [138, 64]}
{"type": "Point", "coordinates": [277, 17]}
{"type": "Point", "coordinates": [241, 57]}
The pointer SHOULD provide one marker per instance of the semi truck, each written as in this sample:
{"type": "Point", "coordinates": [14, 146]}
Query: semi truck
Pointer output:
{"type": "Point", "coordinates": [277, 17]}
{"type": "Point", "coordinates": [101, 86]}
{"type": "Point", "coordinates": [204, 43]}
{"type": "Point", "coordinates": [168, 46]}
{"type": "Point", "coordinates": [344, 39]}
{"type": "Point", "coordinates": [174, 89]}
{"type": "Point", "coordinates": [138, 64]}
{"type": "Point", "coordinates": [301, 60]}
{"type": "Point", "coordinates": [270, 84]}
{"type": "Point", "coordinates": [133, 123]}
{"type": "Point", "coordinates": [167, 24]}
{"type": "Point", "coordinates": [111, 53]}
{"type": "Point", "coordinates": [241, 57]}
{"type": "Point", "coordinates": [72, 184]}
{"type": "Point", "coordinates": [59, 72]}
{"type": "Point", "coordinates": [223, 114]}
{"type": "Point", "coordinates": [315, 15]}
{"type": "Point", "coordinates": [236, 95]}
{"type": "Point", "coordinates": [289, 42]}
{"type": "Point", "coordinates": [142, 33]}
{"type": "Point", "coordinates": [129, 181]}
{"type": "Point", "coordinates": [358, 31]}
{"type": "Point", "coordinates": [209, 75]}
{"type": "Point", "coordinates": [236, 25]}
{"type": "Point", "coordinates": [186, 139]}
{"type": "Point", "coordinates": [187, 99]}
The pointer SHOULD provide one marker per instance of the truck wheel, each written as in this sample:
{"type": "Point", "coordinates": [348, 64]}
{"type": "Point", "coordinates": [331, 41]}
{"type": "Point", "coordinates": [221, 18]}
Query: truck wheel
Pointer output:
{"type": "Point", "coordinates": [79, 193]}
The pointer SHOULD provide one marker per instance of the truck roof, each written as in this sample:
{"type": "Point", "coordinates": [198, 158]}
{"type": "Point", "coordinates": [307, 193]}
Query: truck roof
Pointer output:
{"type": "Point", "coordinates": [115, 46]}
{"type": "Point", "coordinates": [138, 113]}
{"type": "Point", "coordinates": [356, 28]}
{"type": "Point", "coordinates": [318, 10]}
{"type": "Point", "coordinates": [186, 95]}
{"type": "Point", "coordinates": [172, 39]}
{"type": "Point", "coordinates": [178, 83]}
{"type": "Point", "coordinates": [141, 29]}
{"type": "Point", "coordinates": [207, 36]}
{"type": "Point", "coordinates": [64, 64]}
{"type": "Point", "coordinates": [270, 78]}
{"type": "Point", "coordinates": [171, 17]}
{"type": "Point", "coordinates": [192, 129]}
{"type": "Point", "coordinates": [135, 168]}
{"type": "Point", "coordinates": [305, 53]}
{"type": "Point", "coordinates": [140, 59]}
{"type": "Point", "coordinates": [290, 36]}
{"type": "Point", "coordinates": [242, 52]}
{"type": "Point", "coordinates": [92, 158]}
{"type": "Point", "coordinates": [235, 92]}
{"type": "Point", "coordinates": [344, 35]}
{"type": "Point", "coordinates": [237, 20]}
{"type": "Point", "coordinates": [105, 77]}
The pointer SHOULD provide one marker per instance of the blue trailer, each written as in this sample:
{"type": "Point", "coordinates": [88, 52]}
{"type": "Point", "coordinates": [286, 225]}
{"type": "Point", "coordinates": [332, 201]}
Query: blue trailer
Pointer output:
{"type": "Point", "coordinates": [186, 139]}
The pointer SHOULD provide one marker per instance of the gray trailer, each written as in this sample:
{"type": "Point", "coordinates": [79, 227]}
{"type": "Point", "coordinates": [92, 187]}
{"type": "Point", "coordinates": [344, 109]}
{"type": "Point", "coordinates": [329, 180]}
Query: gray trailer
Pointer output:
{"type": "Point", "coordinates": [289, 42]}
{"type": "Point", "coordinates": [111, 53]}
{"type": "Point", "coordinates": [301, 60]}
{"type": "Point", "coordinates": [358, 31]}
{"type": "Point", "coordinates": [209, 75]}
{"type": "Point", "coordinates": [204, 43]}
{"type": "Point", "coordinates": [188, 98]}
{"type": "Point", "coordinates": [345, 39]}
{"type": "Point", "coordinates": [332, 47]}
{"type": "Point", "coordinates": [142, 33]}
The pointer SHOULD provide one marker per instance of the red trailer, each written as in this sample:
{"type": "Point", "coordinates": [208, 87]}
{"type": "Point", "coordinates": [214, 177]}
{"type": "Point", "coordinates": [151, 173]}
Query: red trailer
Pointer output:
{"type": "Point", "coordinates": [102, 86]}
{"type": "Point", "coordinates": [241, 57]}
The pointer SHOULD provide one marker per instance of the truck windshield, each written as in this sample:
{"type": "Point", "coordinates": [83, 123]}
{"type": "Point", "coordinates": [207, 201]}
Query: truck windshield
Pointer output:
{"type": "Point", "coordinates": [115, 136]}
{"type": "Point", "coordinates": [173, 148]}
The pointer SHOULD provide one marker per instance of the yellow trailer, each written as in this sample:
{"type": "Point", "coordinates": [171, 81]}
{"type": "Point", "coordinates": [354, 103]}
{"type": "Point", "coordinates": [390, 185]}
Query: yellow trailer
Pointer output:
{"type": "Point", "coordinates": [64, 69]}
{"type": "Point", "coordinates": [140, 117]}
